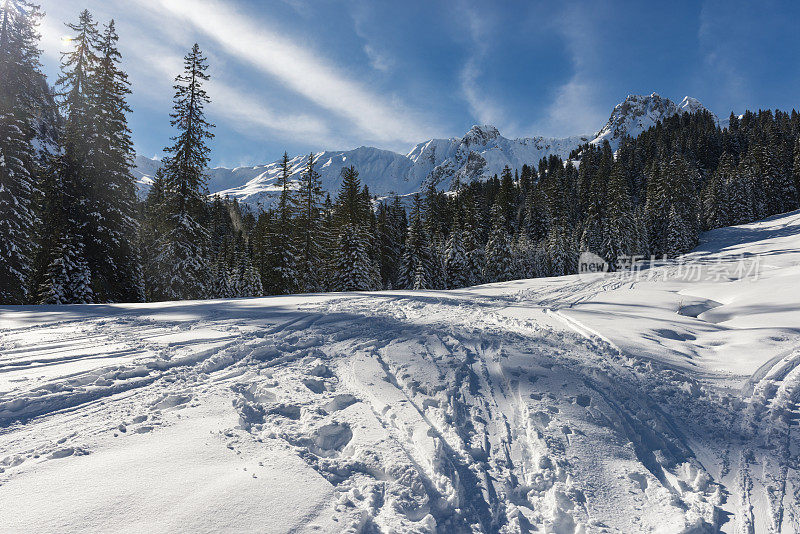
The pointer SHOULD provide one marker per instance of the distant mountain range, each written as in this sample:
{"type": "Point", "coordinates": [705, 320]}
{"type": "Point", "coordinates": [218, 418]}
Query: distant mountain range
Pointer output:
{"type": "Point", "coordinates": [482, 152]}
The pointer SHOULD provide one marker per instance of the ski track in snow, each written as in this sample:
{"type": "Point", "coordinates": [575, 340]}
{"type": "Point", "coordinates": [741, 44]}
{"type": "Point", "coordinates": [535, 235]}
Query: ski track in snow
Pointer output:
{"type": "Point", "coordinates": [504, 408]}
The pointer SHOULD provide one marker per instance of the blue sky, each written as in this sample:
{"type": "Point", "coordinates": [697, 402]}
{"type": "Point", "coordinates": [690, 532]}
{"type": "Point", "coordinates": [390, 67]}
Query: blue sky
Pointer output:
{"type": "Point", "coordinates": [302, 75]}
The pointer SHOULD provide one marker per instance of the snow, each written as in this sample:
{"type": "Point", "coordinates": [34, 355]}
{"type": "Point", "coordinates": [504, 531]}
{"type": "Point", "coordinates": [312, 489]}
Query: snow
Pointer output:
{"type": "Point", "coordinates": [661, 402]}
{"type": "Point", "coordinates": [481, 153]}
{"type": "Point", "coordinates": [638, 113]}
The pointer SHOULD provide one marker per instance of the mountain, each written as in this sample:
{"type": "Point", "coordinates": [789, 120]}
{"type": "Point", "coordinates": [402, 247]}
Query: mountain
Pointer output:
{"type": "Point", "coordinates": [638, 113]}
{"type": "Point", "coordinates": [482, 152]}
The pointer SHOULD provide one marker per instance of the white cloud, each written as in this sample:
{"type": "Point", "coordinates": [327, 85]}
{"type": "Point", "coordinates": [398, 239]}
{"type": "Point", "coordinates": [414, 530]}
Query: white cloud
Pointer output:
{"type": "Point", "coordinates": [481, 106]}
{"type": "Point", "coordinates": [152, 61]}
{"type": "Point", "coordinates": [577, 108]}
{"type": "Point", "coordinates": [297, 68]}
{"type": "Point", "coordinates": [718, 45]}
{"type": "Point", "coordinates": [378, 60]}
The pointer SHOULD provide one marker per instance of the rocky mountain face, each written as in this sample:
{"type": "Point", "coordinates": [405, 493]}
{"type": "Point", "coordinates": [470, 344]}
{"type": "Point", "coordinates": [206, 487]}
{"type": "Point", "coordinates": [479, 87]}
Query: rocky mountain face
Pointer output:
{"type": "Point", "coordinates": [638, 113]}
{"type": "Point", "coordinates": [482, 152]}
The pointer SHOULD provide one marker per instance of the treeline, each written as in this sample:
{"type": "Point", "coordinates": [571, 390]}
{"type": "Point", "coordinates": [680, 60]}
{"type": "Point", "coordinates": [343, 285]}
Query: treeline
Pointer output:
{"type": "Point", "coordinates": [73, 231]}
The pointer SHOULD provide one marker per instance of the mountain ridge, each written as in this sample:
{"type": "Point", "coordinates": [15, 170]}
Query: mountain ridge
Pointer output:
{"type": "Point", "coordinates": [480, 153]}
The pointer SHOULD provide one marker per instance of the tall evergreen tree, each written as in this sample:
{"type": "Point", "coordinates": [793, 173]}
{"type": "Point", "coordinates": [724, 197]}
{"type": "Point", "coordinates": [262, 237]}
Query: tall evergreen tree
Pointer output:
{"type": "Point", "coordinates": [618, 225]}
{"type": "Point", "coordinates": [310, 229]}
{"type": "Point", "coordinates": [418, 269]}
{"type": "Point", "coordinates": [499, 259]}
{"type": "Point", "coordinates": [113, 258]}
{"type": "Point", "coordinates": [455, 259]}
{"type": "Point", "coordinates": [283, 254]}
{"type": "Point", "coordinates": [76, 165]}
{"type": "Point", "coordinates": [181, 260]}
{"type": "Point", "coordinates": [19, 99]}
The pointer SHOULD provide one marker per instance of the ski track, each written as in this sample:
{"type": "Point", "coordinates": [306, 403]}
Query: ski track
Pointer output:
{"type": "Point", "coordinates": [430, 414]}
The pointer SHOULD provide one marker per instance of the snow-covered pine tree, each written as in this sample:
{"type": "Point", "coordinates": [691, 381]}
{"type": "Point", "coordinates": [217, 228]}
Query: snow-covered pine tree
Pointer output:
{"type": "Point", "coordinates": [672, 184]}
{"type": "Point", "coordinates": [618, 224]}
{"type": "Point", "coordinates": [525, 254]}
{"type": "Point", "coordinates": [717, 192]}
{"type": "Point", "coordinates": [796, 164]}
{"type": "Point", "coordinates": [561, 251]}
{"type": "Point", "coordinates": [19, 100]}
{"type": "Point", "coordinates": [473, 249]}
{"type": "Point", "coordinates": [182, 267]}
{"type": "Point", "coordinates": [391, 226]}
{"type": "Point", "coordinates": [353, 269]}
{"type": "Point", "coordinates": [220, 281]}
{"type": "Point", "coordinates": [499, 259]}
{"type": "Point", "coordinates": [455, 259]}
{"type": "Point", "coordinates": [310, 229]}
{"type": "Point", "coordinates": [417, 269]}
{"type": "Point", "coordinates": [113, 257]}
{"type": "Point", "coordinates": [282, 250]}
{"type": "Point", "coordinates": [678, 239]}
{"type": "Point", "coordinates": [536, 217]}
{"type": "Point", "coordinates": [68, 277]}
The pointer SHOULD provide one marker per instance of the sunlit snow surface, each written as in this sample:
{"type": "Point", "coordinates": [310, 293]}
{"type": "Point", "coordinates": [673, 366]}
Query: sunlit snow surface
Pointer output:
{"type": "Point", "coordinates": [659, 403]}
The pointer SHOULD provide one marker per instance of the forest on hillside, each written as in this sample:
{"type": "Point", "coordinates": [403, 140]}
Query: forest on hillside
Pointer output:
{"type": "Point", "coordinates": [72, 229]}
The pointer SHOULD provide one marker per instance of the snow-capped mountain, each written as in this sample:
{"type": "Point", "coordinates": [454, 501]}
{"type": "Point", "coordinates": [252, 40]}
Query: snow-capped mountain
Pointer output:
{"type": "Point", "coordinates": [638, 113]}
{"type": "Point", "coordinates": [482, 152]}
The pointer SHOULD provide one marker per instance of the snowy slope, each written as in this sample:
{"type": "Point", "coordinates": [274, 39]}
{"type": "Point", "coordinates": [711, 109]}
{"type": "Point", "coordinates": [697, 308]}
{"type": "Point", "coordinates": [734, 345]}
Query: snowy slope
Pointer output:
{"type": "Point", "coordinates": [665, 402]}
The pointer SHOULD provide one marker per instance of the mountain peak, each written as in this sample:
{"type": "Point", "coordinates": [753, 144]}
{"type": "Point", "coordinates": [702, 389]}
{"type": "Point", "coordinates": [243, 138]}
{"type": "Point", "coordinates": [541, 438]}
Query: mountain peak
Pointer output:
{"type": "Point", "coordinates": [637, 113]}
{"type": "Point", "coordinates": [481, 134]}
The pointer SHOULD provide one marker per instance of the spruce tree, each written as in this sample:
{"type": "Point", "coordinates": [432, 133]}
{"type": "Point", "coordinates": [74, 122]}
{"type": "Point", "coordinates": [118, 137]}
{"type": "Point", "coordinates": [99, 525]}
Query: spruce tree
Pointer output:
{"type": "Point", "coordinates": [310, 229]}
{"type": "Point", "coordinates": [68, 278]}
{"type": "Point", "coordinates": [19, 100]}
{"type": "Point", "coordinates": [455, 260]}
{"type": "Point", "coordinates": [353, 269]}
{"type": "Point", "coordinates": [618, 225]}
{"type": "Point", "coordinates": [182, 266]}
{"type": "Point", "coordinates": [283, 254]}
{"type": "Point", "coordinates": [417, 269]}
{"type": "Point", "coordinates": [114, 260]}
{"type": "Point", "coordinates": [391, 227]}
{"type": "Point", "coordinates": [499, 260]}
{"type": "Point", "coordinates": [74, 188]}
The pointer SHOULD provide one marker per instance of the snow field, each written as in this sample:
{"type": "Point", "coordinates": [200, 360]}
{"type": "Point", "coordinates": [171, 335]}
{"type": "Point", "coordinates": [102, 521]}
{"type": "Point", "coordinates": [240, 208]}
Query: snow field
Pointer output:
{"type": "Point", "coordinates": [657, 404]}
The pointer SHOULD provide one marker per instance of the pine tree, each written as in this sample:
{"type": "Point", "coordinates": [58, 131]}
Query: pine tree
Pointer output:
{"type": "Point", "coordinates": [19, 99]}
{"type": "Point", "coordinates": [455, 260]}
{"type": "Point", "coordinates": [560, 248]}
{"type": "Point", "coordinates": [678, 238]}
{"type": "Point", "coordinates": [114, 260]}
{"type": "Point", "coordinates": [309, 233]}
{"type": "Point", "coordinates": [391, 226]}
{"type": "Point", "coordinates": [618, 225]}
{"type": "Point", "coordinates": [473, 249]}
{"type": "Point", "coordinates": [499, 259]}
{"type": "Point", "coordinates": [283, 254]}
{"type": "Point", "coordinates": [353, 269]}
{"type": "Point", "coordinates": [68, 278]}
{"type": "Point", "coordinates": [417, 270]}
{"type": "Point", "coordinates": [717, 194]}
{"type": "Point", "coordinates": [220, 281]}
{"type": "Point", "coordinates": [182, 267]}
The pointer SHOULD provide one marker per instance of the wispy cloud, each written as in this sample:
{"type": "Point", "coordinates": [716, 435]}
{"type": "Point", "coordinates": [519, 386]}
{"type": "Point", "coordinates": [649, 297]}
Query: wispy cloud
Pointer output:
{"type": "Point", "coordinates": [299, 69]}
{"type": "Point", "coordinates": [378, 60]}
{"type": "Point", "coordinates": [576, 107]}
{"type": "Point", "coordinates": [152, 65]}
{"type": "Point", "coordinates": [718, 46]}
{"type": "Point", "coordinates": [481, 105]}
